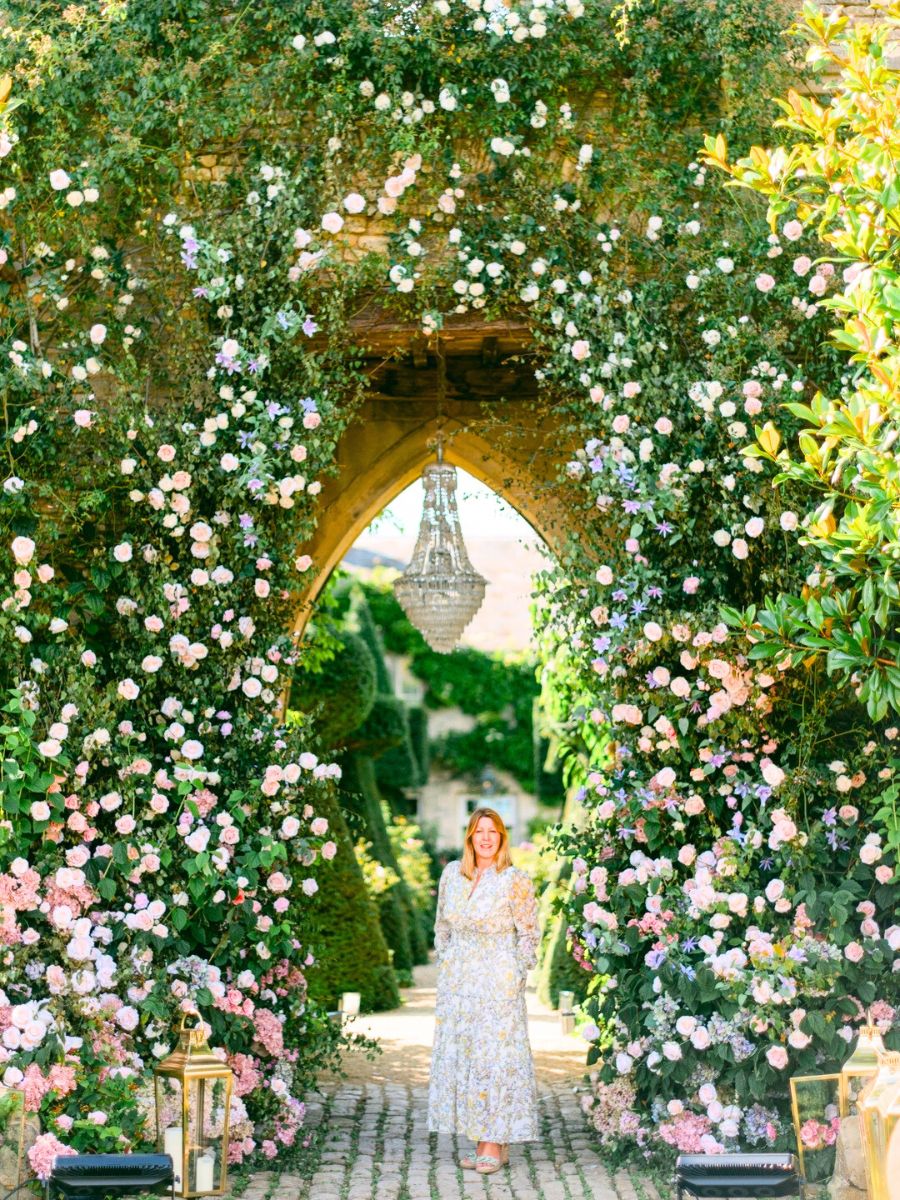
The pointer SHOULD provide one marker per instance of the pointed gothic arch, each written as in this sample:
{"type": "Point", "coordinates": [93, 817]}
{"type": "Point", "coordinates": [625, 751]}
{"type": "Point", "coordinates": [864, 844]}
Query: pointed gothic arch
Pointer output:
{"type": "Point", "coordinates": [493, 424]}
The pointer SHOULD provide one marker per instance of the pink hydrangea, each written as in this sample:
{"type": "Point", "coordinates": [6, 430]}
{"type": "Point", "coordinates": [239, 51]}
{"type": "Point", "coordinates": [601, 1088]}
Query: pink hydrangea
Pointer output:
{"type": "Point", "coordinates": [44, 1151]}
{"type": "Point", "coordinates": [686, 1132]}
{"type": "Point", "coordinates": [268, 1032]}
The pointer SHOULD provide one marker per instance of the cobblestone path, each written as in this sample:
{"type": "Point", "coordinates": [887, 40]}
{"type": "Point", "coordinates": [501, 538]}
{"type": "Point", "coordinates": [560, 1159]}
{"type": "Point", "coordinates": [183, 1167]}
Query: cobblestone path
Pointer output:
{"type": "Point", "coordinates": [377, 1147]}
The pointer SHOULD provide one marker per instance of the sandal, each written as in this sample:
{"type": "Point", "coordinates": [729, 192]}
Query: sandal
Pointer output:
{"type": "Point", "coordinates": [467, 1164]}
{"type": "Point", "coordinates": [489, 1164]}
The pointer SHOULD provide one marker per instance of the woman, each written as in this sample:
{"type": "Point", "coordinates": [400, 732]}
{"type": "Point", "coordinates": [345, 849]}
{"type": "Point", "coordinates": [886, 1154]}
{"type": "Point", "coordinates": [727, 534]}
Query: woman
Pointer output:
{"type": "Point", "coordinates": [486, 935]}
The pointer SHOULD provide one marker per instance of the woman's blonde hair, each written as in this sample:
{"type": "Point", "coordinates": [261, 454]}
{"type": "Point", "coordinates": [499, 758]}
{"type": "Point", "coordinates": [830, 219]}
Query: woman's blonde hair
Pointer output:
{"type": "Point", "coordinates": [502, 859]}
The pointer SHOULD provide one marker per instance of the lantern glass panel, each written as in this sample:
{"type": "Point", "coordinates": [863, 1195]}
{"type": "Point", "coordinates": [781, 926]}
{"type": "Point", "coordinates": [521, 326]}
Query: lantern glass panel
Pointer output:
{"type": "Point", "coordinates": [888, 1125]}
{"type": "Point", "coordinates": [12, 1138]}
{"type": "Point", "coordinates": [208, 1101]}
{"type": "Point", "coordinates": [815, 1101]}
{"type": "Point", "coordinates": [169, 1123]}
{"type": "Point", "coordinates": [879, 1109]}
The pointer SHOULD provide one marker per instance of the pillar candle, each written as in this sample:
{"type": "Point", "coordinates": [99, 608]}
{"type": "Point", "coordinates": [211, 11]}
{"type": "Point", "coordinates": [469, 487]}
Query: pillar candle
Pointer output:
{"type": "Point", "coordinates": [206, 1166]}
{"type": "Point", "coordinates": [172, 1144]}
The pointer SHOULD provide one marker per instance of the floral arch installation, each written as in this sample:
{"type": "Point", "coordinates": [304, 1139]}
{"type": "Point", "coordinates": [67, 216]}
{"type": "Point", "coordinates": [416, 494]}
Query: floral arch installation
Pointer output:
{"type": "Point", "coordinates": [650, 359]}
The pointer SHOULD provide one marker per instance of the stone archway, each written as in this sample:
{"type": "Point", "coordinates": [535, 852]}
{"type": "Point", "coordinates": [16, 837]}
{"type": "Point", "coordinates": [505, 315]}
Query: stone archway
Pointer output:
{"type": "Point", "coordinates": [477, 387]}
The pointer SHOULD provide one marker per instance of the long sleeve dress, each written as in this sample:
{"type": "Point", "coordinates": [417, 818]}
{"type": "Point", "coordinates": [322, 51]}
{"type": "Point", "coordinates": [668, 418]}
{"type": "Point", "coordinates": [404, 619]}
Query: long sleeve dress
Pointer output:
{"type": "Point", "coordinates": [482, 1075]}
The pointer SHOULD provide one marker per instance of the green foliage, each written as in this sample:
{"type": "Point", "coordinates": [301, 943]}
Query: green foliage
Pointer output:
{"type": "Point", "coordinates": [418, 737]}
{"type": "Point", "coordinates": [416, 863]}
{"type": "Point", "coordinates": [378, 877]}
{"type": "Point", "coordinates": [369, 634]}
{"type": "Point", "coordinates": [838, 175]}
{"type": "Point", "coordinates": [558, 970]}
{"type": "Point", "coordinates": [385, 728]}
{"type": "Point", "coordinates": [500, 691]}
{"type": "Point", "coordinates": [350, 948]}
{"type": "Point", "coordinates": [397, 767]}
{"type": "Point", "coordinates": [340, 695]}
{"type": "Point", "coordinates": [402, 933]}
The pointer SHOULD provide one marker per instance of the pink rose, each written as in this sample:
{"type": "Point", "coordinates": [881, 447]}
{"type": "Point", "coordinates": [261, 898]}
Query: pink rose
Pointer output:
{"type": "Point", "coordinates": [764, 283]}
{"type": "Point", "coordinates": [23, 550]}
{"type": "Point", "coordinates": [777, 1057]}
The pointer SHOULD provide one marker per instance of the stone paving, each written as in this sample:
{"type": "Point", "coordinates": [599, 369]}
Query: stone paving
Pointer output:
{"type": "Point", "coordinates": [376, 1145]}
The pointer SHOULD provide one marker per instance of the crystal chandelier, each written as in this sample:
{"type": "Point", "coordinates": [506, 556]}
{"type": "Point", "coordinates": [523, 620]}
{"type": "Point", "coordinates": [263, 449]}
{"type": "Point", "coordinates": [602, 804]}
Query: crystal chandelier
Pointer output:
{"type": "Point", "coordinates": [440, 591]}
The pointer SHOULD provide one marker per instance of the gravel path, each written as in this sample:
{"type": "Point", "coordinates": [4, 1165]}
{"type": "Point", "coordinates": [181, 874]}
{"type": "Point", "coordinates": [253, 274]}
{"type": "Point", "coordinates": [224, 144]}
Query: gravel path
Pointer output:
{"type": "Point", "coordinates": [376, 1144]}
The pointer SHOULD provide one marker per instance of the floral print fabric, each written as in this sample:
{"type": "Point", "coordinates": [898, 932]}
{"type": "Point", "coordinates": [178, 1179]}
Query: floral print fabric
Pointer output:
{"type": "Point", "coordinates": [482, 1075]}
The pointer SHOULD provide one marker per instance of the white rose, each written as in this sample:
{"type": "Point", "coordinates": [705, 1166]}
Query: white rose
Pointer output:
{"type": "Point", "coordinates": [332, 222]}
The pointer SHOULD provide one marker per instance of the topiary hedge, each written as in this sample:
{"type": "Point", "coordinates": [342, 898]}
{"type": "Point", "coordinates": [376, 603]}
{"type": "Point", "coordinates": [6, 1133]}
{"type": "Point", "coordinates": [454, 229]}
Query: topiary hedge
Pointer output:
{"type": "Point", "coordinates": [418, 737]}
{"type": "Point", "coordinates": [350, 948]}
{"type": "Point", "coordinates": [341, 695]}
{"type": "Point", "coordinates": [359, 793]}
{"type": "Point", "coordinates": [370, 635]}
{"type": "Point", "coordinates": [385, 727]}
{"type": "Point", "coordinates": [398, 768]}
{"type": "Point", "coordinates": [402, 928]}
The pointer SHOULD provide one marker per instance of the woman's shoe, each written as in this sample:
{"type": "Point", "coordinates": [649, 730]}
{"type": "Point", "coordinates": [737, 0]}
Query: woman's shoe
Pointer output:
{"type": "Point", "coordinates": [467, 1164]}
{"type": "Point", "coordinates": [489, 1164]}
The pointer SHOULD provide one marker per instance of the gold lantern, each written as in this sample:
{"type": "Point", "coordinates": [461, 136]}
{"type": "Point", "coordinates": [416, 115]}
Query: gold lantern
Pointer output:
{"type": "Point", "coordinates": [12, 1138]}
{"type": "Point", "coordinates": [879, 1114]}
{"type": "Point", "coordinates": [817, 1099]}
{"type": "Point", "coordinates": [193, 1108]}
{"type": "Point", "coordinates": [860, 1067]}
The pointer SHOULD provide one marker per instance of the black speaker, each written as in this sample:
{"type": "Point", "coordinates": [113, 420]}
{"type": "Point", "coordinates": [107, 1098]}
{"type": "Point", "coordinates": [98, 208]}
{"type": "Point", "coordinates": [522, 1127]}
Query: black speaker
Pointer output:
{"type": "Point", "coordinates": [95, 1176]}
{"type": "Point", "coordinates": [709, 1176]}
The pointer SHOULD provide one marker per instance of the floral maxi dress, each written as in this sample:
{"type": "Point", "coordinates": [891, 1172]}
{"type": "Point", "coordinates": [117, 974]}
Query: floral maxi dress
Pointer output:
{"type": "Point", "coordinates": [482, 1074]}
